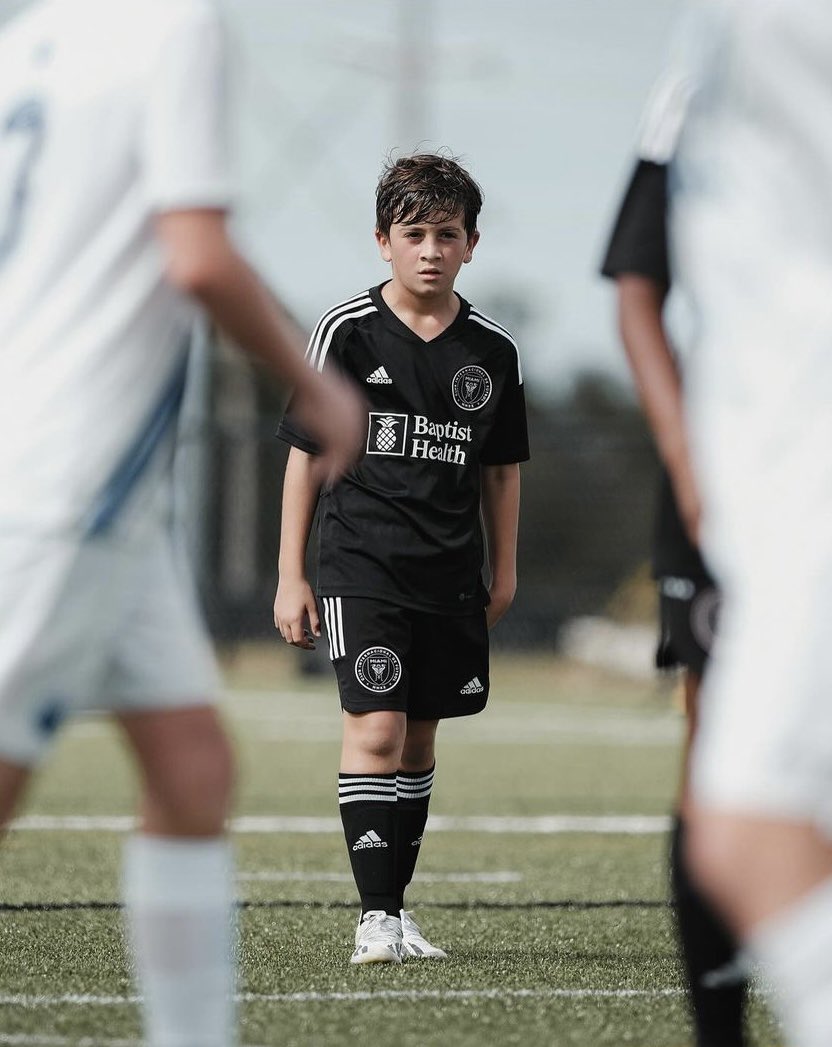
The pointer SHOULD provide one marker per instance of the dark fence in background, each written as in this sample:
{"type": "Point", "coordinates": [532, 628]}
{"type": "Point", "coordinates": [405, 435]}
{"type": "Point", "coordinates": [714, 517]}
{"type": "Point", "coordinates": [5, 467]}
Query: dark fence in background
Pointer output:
{"type": "Point", "coordinates": [586, 513]}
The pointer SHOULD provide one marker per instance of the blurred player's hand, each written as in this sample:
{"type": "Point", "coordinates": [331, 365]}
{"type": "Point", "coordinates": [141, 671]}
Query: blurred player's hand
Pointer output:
{"type": "Point", "coordinates": [294, 606]}
{"type": "Point", "coordinates": [333, 411]}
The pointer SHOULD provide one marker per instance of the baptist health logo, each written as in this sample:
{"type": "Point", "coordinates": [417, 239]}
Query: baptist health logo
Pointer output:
{"type": "Point", "coordinates": [434, 441]}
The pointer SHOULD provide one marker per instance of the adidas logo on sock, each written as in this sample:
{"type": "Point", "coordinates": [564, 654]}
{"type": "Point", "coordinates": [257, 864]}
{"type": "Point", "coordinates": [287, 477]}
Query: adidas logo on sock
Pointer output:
{"type": "Point", "coordinates": [370, 839]}
{"type": "Point", "coordinates": [473, 687]}
{"type": "Point", "coordinates": [379, 377]}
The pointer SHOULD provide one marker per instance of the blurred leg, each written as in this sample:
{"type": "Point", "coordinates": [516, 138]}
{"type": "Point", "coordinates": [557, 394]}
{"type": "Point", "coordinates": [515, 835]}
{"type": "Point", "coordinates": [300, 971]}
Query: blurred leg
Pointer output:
{"type": "Point", "coordinates": [178, 878]}
{"type": "Point", "coordinates": [13, 781]}
{"type": "Point", "coordinates": [716, 982]}
{"type": "Point", "coordinates": [773, 881]}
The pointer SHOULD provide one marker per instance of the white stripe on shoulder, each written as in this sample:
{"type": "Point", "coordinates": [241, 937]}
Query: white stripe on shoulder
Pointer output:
{"type": "Point", "coordinates": [322, 339]}
{"type": "Point", "coordinates": [663, 117]}
{"type": "Point", "coordinates": [492, 325]}
{"type": "Point", "coordinates": [362, 296]}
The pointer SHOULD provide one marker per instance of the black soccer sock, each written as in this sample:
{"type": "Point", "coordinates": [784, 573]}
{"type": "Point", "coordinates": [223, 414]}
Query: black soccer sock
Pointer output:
{"type": "Point", "coordinates": [413, 798]}
{"type": "Point", "coordinates": [368, 814]}
{"type": "Point", "coordinates": [716, 983]}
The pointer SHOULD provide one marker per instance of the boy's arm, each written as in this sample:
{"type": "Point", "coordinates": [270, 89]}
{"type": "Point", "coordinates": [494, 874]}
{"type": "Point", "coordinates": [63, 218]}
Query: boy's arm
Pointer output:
{"type": "Point", "coordinates": [640, 304]}
{"type": "Point", "coordinates": [500, 501]}
{"type": "Point", "coordinates": [294, 602]}
{"type": "Point", "coordinates": [201, 261]}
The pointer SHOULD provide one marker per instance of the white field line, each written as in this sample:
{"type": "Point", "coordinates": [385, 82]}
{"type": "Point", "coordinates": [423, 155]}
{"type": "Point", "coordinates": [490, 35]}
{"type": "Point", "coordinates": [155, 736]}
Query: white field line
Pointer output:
{"type": "Point", "coordinates": [25, 1039]}
{"type": "Point", "coordinates": [90, 1000]}
{"type": "Point", "coordinates": [541, 825]}
{"type": "Point", "coordinates": [283, 875]}
{"type": "Point", "coordinates": [289, 716]}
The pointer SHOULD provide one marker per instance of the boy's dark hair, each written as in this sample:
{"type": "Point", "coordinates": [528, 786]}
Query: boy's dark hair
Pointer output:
{"type": "Point", "coordinates": [426, 188]}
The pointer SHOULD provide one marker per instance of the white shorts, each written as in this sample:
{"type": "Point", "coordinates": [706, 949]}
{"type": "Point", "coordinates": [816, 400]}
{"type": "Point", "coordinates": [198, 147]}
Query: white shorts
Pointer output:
{"type": "Point", "coordinates": [109, 623]}
{"type": "Point", "coordinates": [752, 238]}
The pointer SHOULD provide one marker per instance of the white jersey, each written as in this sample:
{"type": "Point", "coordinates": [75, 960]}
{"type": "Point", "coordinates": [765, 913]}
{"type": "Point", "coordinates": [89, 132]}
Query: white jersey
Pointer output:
{"type": "Point", "coordinates": [752, 224]}
{"type": "Point", "coordinates": [110, 111]}
{"type": "Point", "coordinates": [752, 221]}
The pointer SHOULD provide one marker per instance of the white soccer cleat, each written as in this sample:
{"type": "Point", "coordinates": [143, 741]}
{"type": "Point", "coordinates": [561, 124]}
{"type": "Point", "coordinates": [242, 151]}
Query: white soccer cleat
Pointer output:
{"type": "Point", "coordinates": [378, 939]}
{"type": "Point", "coordinates": [416, 946]}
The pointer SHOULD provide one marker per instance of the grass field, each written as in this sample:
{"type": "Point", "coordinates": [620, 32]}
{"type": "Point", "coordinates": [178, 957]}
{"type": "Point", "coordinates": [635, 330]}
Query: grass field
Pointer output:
{"type": "Point", "coordinates": [557, 929]}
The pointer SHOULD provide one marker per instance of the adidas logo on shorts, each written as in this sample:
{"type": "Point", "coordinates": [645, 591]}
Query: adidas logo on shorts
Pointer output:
{"type": "Point", "coordinates": [379, 377]}
{"type": "Point", "coordinates": [370, 839]}
{"type": "Point", "coordinates": [473, 687]}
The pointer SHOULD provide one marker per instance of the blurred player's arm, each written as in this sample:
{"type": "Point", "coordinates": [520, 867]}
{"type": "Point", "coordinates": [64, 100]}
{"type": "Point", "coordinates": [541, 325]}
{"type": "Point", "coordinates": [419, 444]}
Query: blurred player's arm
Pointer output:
{"type": "Point", "coordinates": [500, 502]}
{"type": "Point", "coordinates": [654, 369]}
{"type": "Point", "coordinates": [294, 602]}
{"type": "Point", "coordinates": [202, 261]}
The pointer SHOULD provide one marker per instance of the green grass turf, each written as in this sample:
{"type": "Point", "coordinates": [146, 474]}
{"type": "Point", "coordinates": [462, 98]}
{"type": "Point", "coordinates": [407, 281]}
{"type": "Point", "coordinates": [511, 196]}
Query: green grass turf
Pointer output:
{"type": "Point", "coordinates": [556, 739]}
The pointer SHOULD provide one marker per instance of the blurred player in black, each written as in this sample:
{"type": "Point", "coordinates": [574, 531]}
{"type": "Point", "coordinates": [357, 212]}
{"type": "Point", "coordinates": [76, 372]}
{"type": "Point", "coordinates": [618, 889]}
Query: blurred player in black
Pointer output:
{"type": "Point", "coordinates": [637, 259]}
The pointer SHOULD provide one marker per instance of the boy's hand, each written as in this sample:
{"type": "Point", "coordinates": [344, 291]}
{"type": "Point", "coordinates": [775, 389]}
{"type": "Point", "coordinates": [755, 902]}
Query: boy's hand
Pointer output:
{"type": "Point", "coordinates": [294, 604]}
{"type": "Point", "coordinates": [501, 600]}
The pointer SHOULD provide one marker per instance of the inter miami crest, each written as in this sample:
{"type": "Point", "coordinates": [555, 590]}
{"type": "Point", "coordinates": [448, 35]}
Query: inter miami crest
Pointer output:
{"type": "Point", "coordinates": [378, 669]}
{"type": "Point", "coordinates": [386, 433]}
{"type": "Point", "coordinates": [471, 387]}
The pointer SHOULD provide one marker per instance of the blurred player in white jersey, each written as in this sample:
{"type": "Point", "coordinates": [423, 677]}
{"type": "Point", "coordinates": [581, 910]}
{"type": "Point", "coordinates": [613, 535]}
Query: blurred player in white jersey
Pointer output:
{"type": "Point", "coordinates": [637, 259]}
{"type": "Point", "coordinates": [752, 233]}
{"type": "Point", "coordinates": [113, 196]}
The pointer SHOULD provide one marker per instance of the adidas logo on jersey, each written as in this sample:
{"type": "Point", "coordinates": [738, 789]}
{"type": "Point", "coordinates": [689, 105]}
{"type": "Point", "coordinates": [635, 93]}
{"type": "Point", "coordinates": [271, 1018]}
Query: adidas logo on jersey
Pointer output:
{"type": "Point", "coordinates": [379, 377]}
{"type": "Point", "coordinates": [473, 687]}
{"type": "Point", "coordinates": [370, 839]}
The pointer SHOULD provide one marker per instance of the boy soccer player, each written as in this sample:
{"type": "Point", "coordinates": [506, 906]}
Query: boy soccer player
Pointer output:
{"type": "Point", "coordinates": [113, 196]}
{"type": "Point", "coordinates": [751, 231]}
{"type": "Point", "coordinates": [637, 259]}
{"type": "Point", "coordinates": [401, 548]}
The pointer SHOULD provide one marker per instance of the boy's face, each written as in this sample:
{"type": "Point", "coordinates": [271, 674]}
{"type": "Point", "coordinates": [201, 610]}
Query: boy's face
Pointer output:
{"type": "Point", "coordinates": [426, 256]}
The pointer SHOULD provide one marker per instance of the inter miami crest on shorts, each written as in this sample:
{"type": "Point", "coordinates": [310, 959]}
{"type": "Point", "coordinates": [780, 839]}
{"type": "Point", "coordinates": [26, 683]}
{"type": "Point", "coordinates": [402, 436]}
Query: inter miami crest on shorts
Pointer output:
{"type": "Point", "coordinates": [378, 669]}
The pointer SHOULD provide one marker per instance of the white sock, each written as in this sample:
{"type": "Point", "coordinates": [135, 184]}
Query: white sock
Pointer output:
{"type": "Point", "coordinates": [795, 949]}
{"type": "Point", "coordinates": [180, 907]}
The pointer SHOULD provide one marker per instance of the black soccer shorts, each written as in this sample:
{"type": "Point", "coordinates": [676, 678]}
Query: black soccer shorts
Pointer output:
{"type": "Point", "coordinates": [430, 666]}
{"type": "Point", "coordinates": [689, 617]}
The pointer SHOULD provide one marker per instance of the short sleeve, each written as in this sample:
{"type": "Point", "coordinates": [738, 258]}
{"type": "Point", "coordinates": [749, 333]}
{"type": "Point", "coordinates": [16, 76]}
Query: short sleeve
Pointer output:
{"type": "Point", "coordinates": [289, 428]}
{"type": "Point", "coordinates": [508, 440]}
{"type": "Point", "coordinates": [184, 143]}
{"type": "Point", "coordinates": [639, 238]}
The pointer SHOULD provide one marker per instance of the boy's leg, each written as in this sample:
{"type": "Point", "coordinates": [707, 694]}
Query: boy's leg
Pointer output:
{"type": "Point", "coordinates": [178, 877]}
{"type": "Point", "coordinates": [370, 756]}
{"type": "Point", "coordinates": [414, 782]}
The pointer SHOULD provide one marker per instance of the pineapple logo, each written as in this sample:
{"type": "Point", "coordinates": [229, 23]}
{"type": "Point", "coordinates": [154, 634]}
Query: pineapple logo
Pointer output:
{"type": "Point", "coordinates": [386, 433]}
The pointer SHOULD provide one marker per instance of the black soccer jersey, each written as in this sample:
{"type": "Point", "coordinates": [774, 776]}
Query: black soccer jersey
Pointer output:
{"type": "Point", "coordinates": [639, 245]}
{"type": "Point", "coordinates": [403, 525]}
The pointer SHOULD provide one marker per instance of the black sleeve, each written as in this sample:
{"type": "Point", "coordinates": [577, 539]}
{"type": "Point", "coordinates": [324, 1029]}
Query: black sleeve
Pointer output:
{"type": "Point", "coordinates": [639, 238]}
{"type": "Point", "coordinates": [508, 439]}
{"type": "Point", "coordinates": [294, 434]}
